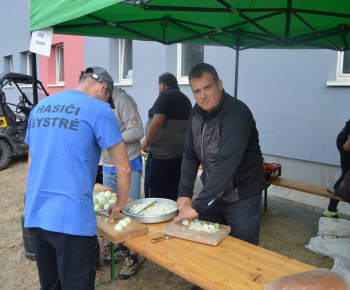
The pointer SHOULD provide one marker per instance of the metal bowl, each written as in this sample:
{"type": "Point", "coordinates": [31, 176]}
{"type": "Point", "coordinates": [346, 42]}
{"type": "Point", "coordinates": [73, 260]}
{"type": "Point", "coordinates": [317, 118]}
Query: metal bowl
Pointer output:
{"type": "Point", "coordinates": [151, 219]}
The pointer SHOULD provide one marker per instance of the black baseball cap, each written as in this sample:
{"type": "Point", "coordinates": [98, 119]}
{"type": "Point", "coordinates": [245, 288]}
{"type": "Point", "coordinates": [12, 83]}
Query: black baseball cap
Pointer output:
{"type": "Point", "coordinates": [102, 76]}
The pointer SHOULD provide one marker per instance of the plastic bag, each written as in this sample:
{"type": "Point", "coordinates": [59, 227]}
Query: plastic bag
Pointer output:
{"type": "Point", "coordinates": [342, 267]}
{"type": "Point", "coordinates": [333, 238]}
{"type": "Point", "coordinates": [334, 227]}
{"type": "Point", "coordinates": [310, 280]}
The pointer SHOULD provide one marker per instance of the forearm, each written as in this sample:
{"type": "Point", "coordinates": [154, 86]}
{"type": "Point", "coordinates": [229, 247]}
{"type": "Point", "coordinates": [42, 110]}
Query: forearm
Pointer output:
{"type": "Point", "coordinates": [120, 161]}
{"type": "Point", "coordinates": [123, 187]}
{"type": "Point", "coordinates": [153, 130]}
{"type": "Point", "coordinates": [131, 135]}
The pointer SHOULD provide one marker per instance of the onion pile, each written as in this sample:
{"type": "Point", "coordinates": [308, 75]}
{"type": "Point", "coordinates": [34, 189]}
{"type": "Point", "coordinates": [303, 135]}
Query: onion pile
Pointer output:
{"type": "Point", "coordinates": [200, 226]}
{"type": "Point", "coordinates": [103, 199]}
{"type": "Point", "coordinates": [154, 210]}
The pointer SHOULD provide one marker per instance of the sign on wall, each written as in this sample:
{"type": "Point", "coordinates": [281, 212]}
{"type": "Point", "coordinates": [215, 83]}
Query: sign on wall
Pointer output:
{"type": "Point", "coordinates": [41, 40]}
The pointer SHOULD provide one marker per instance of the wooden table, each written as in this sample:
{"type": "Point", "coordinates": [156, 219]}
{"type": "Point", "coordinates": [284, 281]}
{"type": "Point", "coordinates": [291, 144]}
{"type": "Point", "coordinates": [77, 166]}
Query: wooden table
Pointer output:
{"type": "Point", "coordinates": [232, 264]}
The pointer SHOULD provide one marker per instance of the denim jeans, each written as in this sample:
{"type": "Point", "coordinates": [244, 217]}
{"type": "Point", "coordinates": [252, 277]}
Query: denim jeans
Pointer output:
{"type": "Point", "coordinates": [110, 180]}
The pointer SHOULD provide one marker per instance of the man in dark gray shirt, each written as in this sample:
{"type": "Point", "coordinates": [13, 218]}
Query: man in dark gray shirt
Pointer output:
{"type": "Point", "coordinates": [165, 137]}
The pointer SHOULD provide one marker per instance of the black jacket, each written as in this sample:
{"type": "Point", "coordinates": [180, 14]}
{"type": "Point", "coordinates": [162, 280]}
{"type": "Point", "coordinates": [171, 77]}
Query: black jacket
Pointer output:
{"type": "Point", "coordinates": [226, 143]}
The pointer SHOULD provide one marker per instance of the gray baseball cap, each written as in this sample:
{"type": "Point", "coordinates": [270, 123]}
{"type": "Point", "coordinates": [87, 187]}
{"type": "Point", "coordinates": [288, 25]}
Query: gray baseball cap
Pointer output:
{"type": "Point", "coordinates": [102, 76]}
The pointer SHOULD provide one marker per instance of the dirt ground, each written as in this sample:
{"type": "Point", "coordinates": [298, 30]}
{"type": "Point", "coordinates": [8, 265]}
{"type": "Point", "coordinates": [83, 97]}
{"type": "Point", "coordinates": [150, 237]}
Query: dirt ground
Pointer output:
{"type": "Point", "coordinates": [284, 229]}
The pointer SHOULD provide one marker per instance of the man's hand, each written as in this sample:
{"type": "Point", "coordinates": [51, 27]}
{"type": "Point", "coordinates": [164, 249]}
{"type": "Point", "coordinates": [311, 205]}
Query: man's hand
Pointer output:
{"type": "Point", "coordinates": [112, 210]}
{"type": "Point", "coordinates": [182, 202]}
{"type": "Point", "coordinates": [144, 145]}
{"type": "Point", "coordinates": [187, 212]}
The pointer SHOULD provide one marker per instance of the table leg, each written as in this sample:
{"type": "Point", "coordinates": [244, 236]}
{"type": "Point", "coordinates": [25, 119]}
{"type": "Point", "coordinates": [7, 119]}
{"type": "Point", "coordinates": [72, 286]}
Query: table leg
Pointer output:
{"type": "Point", "coordinates": [265, 196]}
{"type": "Point", "coordinates": [111, 246]}
{"type": "Point", "coordinates": [111, 250]}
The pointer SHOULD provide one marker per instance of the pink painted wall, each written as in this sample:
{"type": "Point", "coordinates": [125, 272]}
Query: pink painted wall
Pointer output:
{"type": "Point", "coordinates": [73, 63]}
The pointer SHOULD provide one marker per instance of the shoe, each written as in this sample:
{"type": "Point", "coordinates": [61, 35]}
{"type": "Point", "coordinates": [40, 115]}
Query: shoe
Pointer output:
{"type": "Point", "coordinates": [119, 255]}
{"type": "Point", "coordinates": [332, 214]}
{"type": "Point", "coordinates": [130, 267]}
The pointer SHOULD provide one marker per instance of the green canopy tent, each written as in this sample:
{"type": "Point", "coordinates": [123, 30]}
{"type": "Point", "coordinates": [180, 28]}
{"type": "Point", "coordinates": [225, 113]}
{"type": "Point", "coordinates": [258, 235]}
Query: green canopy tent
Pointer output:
{"type": "Point", "coordinates": [239, 24]}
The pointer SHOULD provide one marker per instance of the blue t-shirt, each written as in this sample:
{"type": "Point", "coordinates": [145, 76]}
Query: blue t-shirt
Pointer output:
{"type": "Point", "coordinates": [66, 133]}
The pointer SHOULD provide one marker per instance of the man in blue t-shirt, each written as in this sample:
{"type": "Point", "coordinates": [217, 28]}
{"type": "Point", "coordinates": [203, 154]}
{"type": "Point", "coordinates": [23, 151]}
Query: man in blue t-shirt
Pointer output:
{"type": "Point", "coordinates": [66, 133]}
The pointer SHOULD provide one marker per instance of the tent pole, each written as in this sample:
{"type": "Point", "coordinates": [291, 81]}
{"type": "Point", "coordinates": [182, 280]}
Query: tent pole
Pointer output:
{"type": "Point", "coordinates": [236, 66]}
{"type": "Point", "coordinates": [35, 82]}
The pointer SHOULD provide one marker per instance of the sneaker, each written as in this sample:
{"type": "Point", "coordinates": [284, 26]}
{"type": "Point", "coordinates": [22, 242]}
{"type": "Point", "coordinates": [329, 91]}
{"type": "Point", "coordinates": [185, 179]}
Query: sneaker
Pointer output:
{"type": "Point", "coordinates": [130, 267]}
{"type": "Point", "coordinates": [332, 214]}
{"type": "Point", "coordinates": [119, 255]}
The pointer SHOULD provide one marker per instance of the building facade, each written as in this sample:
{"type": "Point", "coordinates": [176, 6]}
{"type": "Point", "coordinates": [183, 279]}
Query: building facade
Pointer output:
{"type": "Point", "coordinates": [300, 98]}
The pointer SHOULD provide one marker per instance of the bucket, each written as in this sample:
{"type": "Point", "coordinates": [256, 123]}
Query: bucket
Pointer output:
{"type": "Point", "coordinates": [27, 242]}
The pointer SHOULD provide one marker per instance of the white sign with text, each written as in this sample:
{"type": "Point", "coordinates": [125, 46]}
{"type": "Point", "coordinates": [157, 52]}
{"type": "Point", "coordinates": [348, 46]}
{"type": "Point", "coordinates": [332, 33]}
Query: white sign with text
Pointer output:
{"type": "Point", "coordinates": [41, 40]}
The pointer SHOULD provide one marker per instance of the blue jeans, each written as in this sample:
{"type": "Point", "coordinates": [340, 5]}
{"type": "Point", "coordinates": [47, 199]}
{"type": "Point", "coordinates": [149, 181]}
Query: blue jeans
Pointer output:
{"type": "Point", "coordinates": [110, 180]}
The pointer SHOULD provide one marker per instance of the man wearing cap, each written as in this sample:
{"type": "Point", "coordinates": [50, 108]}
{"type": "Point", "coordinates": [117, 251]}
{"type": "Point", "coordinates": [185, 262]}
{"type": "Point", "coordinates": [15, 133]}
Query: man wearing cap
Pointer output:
{"type": "Point", "coordinates": [66, 133]}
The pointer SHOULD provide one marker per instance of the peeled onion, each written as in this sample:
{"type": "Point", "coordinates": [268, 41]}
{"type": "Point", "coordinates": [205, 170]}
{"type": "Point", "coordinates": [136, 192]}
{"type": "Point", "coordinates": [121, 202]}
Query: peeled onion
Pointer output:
{"type": "Point", "coordinates": [127, 219]}
{"type": "Point", "coordinates": [118, 227]}
{"type": "Point", "coordinates": [123, 223]}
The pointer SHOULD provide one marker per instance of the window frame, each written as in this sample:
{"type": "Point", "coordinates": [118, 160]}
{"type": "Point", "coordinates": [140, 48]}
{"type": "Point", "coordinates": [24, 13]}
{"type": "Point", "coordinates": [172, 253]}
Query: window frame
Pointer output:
{"type": "Point", "coordinates": [8, 62]}
{"type": "Point", "coordinates": [122, 60]}
{"type": "Point", "coordinates": [341, 79]}
{"type": "Point", "coordinates": [29, 63]}
{"type": "Point", "coordinates": [59, 51]}
{"type": "Point", "coordinates": [183, 79]}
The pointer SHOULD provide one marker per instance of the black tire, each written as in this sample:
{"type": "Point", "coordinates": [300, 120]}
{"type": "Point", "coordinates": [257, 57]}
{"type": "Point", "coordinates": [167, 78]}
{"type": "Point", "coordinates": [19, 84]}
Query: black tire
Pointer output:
{"type": "Point", "coordinates": [5, 154]}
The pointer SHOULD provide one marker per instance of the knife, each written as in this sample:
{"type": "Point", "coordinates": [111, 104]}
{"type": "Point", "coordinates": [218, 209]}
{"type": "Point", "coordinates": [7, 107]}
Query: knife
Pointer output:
{"type": "Point", "coordinates": [154, 240]}
{"type": "Point", "coordinates": [103, 214]}
{"type": "Point", "coordinates": [146, 207]}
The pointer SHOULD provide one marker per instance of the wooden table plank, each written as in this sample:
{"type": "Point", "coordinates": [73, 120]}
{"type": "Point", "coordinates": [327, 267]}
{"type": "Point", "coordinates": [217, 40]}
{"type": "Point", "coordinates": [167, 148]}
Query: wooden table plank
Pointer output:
{"type": "Point", "coordinates": [232, 264]}
{"type": "Point", "coordinates": [304, 187]}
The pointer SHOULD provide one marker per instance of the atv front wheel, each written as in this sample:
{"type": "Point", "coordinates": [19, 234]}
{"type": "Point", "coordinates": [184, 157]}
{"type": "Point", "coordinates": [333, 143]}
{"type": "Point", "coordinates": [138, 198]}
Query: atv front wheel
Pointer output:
{"type": "Point", "coordinates": [5, 154]}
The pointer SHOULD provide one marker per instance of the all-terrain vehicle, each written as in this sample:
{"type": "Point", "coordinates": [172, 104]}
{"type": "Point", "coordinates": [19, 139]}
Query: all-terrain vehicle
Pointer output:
{"type": "Point", "coordinates": [13, 124]}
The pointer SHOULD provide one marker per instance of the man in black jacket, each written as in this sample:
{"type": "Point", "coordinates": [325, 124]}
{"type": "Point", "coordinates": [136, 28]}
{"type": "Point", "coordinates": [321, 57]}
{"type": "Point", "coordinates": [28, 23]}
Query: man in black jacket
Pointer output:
{"type": "Point", "coordinates": [222, 136]}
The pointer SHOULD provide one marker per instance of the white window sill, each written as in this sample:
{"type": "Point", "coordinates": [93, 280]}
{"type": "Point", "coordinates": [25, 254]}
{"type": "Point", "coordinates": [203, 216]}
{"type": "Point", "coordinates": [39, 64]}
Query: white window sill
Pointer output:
{"type": "Point", "coordinates": [8, 87]}
{"type": "Point", "coordinates": [26, 86]}
{"type": "Point", "coordinates": [183, 81]}
{"type": "Point", "coordinates": [338, 84]}
{"type": "Point", "coordinates": [56, 85]}
{"type": "Point", "coordinates": [126, 82]}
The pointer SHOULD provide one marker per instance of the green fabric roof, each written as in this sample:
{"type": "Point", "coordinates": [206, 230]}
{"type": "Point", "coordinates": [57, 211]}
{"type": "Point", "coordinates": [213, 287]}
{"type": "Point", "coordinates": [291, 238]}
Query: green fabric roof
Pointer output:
{"type": "Point", "coordinates": [232, 23]}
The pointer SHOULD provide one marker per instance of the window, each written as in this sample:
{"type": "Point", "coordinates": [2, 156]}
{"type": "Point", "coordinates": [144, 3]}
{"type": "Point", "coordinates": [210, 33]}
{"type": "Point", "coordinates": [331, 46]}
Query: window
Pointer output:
{"type": "Point", "coordinates": [29, 63]}
{"type": "Point", "coordinates": [343, 70]}
{"type": "Point", "coordinates": [26, 62]}
{"type": "Point", "coordinates": [188, 56]}
{"type": "Point", "coordinates": [125, 61]}
{"type": "Point", "coordinates": [8, 63]}
{"type": "Point", "coordinates": [346, 62]}
{"type": "Point", "coordinates": [59, 64]}
{"type": "Point", "coordinates": [8, 67]}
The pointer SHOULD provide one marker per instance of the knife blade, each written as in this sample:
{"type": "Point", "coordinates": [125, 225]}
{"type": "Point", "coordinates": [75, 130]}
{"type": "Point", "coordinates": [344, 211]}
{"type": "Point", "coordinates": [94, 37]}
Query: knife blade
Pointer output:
{"type": "Point", "coordinates": [146, 207]}
{"type": "Point", "coordinates": [103, 214]}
